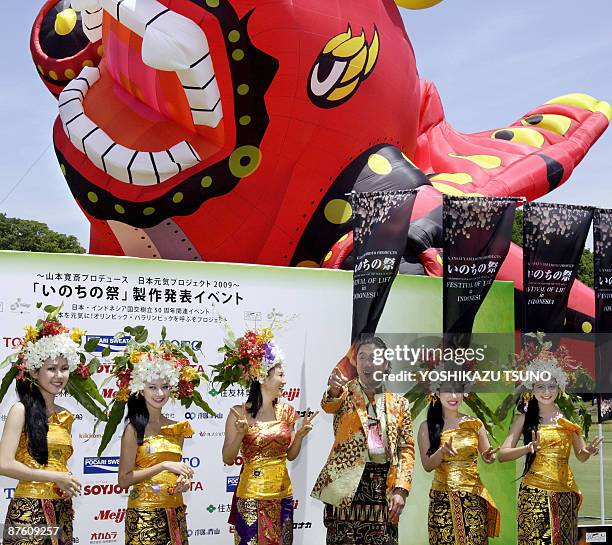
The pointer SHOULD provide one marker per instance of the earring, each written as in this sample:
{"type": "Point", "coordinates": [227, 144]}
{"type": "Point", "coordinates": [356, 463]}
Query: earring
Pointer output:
{"type": "Point", "coordinates": [432, 398]}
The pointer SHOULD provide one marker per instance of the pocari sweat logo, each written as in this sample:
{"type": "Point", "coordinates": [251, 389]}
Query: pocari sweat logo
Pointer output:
{"type": "Point", "coordinates": [109, 341]}
{"type": "Point", "coordinates": [106, 464]}
{"type": "Point", "coordinates": [231, 483]}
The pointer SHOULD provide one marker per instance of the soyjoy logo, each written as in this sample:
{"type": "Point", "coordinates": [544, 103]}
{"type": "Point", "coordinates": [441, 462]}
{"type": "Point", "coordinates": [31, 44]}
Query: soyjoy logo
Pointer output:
{"type": "Point", "coordinates": [291, 394]}
{"type": "Point", "coordinates": [231, 483]}
{"type": "Point", "coordinates": [106, 464]}
{"type": "Point", "coordinates": [108, 514]}
{"type": "Point", "coordinates": [103, 489]}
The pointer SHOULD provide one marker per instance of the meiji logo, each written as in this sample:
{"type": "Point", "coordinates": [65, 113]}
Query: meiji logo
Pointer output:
{"type": "Point", "coordinates": [108, 393]}
{"type": "Point", "coordinates": [103, 489]}
{"type": "Point", "coordinates": [108, 514]}
{"type": "Point", "coordinates": [231, 483]}
{"type": "Point", "coordinates": [291, 394]}
{"type": "Point", "coordinates": [106, 464]}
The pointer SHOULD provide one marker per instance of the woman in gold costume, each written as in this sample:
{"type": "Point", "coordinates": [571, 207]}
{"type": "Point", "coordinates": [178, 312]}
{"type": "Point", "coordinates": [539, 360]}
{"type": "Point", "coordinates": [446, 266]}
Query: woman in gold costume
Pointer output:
{"type": "Point", "coordinates": [36, 441]}
{"type": "Point", "coordinates": [263, 430]}
{"type": "Point", "coordinates": [152, 445]}
{"type": "Point", "coordinates": [461, 510]}
{"type": "Point", "coordinates": [549, 497]}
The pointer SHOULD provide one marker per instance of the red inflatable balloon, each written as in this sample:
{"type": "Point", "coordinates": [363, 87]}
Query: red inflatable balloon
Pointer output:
{"type": "Point", "coordinates": [226, 130]}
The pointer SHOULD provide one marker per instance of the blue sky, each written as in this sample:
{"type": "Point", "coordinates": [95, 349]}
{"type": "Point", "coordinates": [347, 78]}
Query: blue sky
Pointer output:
{"type": "Point", "coordinates": [491, 61]}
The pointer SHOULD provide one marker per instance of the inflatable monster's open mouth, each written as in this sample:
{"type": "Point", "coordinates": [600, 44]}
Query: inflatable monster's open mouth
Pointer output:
{"type": "Point", "coordinates": [177, 102]}
{"type": "Point", "coordinates": [150, 110]}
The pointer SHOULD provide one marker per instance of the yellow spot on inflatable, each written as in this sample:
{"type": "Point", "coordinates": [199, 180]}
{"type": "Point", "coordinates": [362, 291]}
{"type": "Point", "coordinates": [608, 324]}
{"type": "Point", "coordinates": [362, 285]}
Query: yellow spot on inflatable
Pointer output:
{"type": "Point", "coordinates": [100, 50]}
{"type": "Point", "coordinates": [309, 264]}
{"type": "Point", "coordinates": [439, 259]}
{"type": "Point", "coordinates": [584, 102]}
{"type": "Point", "coordinates": [244, 161]}
{"type": "Point", "coordinates": [327, 256]}
{"type": "Point", "coordinates": [379, 164]}
{"type": "Point", "coordinates": [69, 73]}
{"type": "Point", "coordinates": [88, 63]}
{"type": "Point", "coordinates": [559, 124]}
{"type": "Point", "coordinates": [453, 191]}
{"type": "Point", "coordinates": [587, 327]}
{"type": "Point", "coordinates": [119, 209]}
{"type": "Point", "coordinates": [338, 211]}
{"type": "Point", "coordinates": [63, 168]}
{"type": "Point", "coordinates": [206, 181]}
{"type": "Point", "coordinates": [342, 238]}
{"type": "Point", "coordinates": [53, 75]}
{"type": "Point", "coordinates": [483, 161]}
{"type": "Point", "coordinates": [417, 4]}
{"type": "Point", "coordinates": [460, 178]}
{"type": "Point", "coordinates": [65, 21]}
{"type": "Point", "coordinates": [522, 135]}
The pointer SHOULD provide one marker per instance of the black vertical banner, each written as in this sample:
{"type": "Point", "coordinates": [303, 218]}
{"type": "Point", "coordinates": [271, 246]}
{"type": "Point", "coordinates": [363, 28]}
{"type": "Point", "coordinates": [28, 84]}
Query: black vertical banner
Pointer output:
{"type": "Point", "coordinates": [380, 232]}
{"type": "Point", "coordinates": [554, 237]}
{"type": "Point", "coordinates": [476, 237]}
{"type": "Point", "coordinates": [602, 260]}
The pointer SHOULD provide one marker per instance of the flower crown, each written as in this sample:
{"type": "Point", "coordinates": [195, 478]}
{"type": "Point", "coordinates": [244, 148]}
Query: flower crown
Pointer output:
{"type": "Point", "coordinates": [141, 362]}
{"type": "Point", "coordinates": [538, 356]}
{"type": "Point", "coordinates": [49, 339]}
{"type": "Point", "coordinates": [248, 358]}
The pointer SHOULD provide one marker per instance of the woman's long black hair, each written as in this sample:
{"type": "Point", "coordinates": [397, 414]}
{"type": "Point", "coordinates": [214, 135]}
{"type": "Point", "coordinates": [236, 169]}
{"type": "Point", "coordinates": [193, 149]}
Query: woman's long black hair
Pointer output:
{"type": "Point", "coordinates": [36, 419]}
{"type": "Point", "coordinates": [255, 398]}
{"type": "Point", "coordinates": [138, 415]}
{"type": "Point", "coordinates": [530, 429]}
{"type": "Point", "coordinates": [435, 424]}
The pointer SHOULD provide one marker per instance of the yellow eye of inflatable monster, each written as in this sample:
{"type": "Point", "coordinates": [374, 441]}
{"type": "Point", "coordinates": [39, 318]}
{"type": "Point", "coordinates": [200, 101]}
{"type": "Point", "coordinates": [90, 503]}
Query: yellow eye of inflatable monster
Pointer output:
{"type": "Point", "coordinates": [342, 65]}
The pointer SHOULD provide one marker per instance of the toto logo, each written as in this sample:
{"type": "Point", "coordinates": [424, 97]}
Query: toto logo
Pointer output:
{"type": "Point", "coordinates": [192, 461]}
{"type": "Point", "coordinates": [11, 342]}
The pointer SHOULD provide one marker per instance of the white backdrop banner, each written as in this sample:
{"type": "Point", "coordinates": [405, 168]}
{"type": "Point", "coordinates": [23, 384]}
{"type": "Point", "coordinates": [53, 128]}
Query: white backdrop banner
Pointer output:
{"type": "Point", "coordinates": [104, 294]}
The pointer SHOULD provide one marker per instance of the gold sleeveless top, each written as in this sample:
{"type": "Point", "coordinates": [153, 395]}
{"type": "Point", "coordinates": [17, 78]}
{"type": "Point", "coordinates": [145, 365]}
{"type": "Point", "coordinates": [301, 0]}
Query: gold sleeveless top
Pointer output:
{"type": "Point", "coordinates": [166, 446]}
{"type": "Point", "coordinates": [460, 472]}
{"type": "Point", "coordinates": [264, 448]}
{"type": "Point", "coordinates": [59, 442]}
{"type": "Point", "coordinates": [550, 469]}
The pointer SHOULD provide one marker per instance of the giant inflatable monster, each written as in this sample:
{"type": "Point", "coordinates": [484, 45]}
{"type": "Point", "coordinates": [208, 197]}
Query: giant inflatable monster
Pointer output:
{"type": "Point", "coordinates": [232, 130]}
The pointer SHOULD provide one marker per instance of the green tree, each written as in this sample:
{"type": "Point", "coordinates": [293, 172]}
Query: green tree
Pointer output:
{"type": "Point", "coordinates": [33, 236]}
{"type": "Point", "coordinates": [585, 269]}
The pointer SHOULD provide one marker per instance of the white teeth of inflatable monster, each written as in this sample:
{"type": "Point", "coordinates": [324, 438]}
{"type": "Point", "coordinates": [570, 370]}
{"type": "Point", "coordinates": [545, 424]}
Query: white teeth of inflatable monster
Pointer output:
{"type": "Point", "coordinates": [125, 164]}
{"type": "Point", "coordinates": [92, 24]}
{"type": "Point", "coordinates": [170, 42]}
{"type": "Point", "coordinates": [82, 5]}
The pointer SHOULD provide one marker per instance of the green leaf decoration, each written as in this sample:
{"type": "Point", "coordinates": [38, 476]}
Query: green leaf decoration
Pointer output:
{"type": "Point", "coordinates": [91, 344]}
{"type": "Point", "coordinates": [418, 404]}
{"type": "Point", "coordinates": [197, 399]}
{"type": "Point", "coordinates": [106, 351]}
{"type": "Point", "coordinates": [481, 411]}
{"type": "Point", "coordinates": [114, 418]}
{"type": "Point", "coordinates": [7, 381]}
{"type": "Point", "coordinates": [81, 392]}
{"type": "Point", "coordinates": [163, 333]}
{"type": "Point", "coordinates": [93, 365]}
